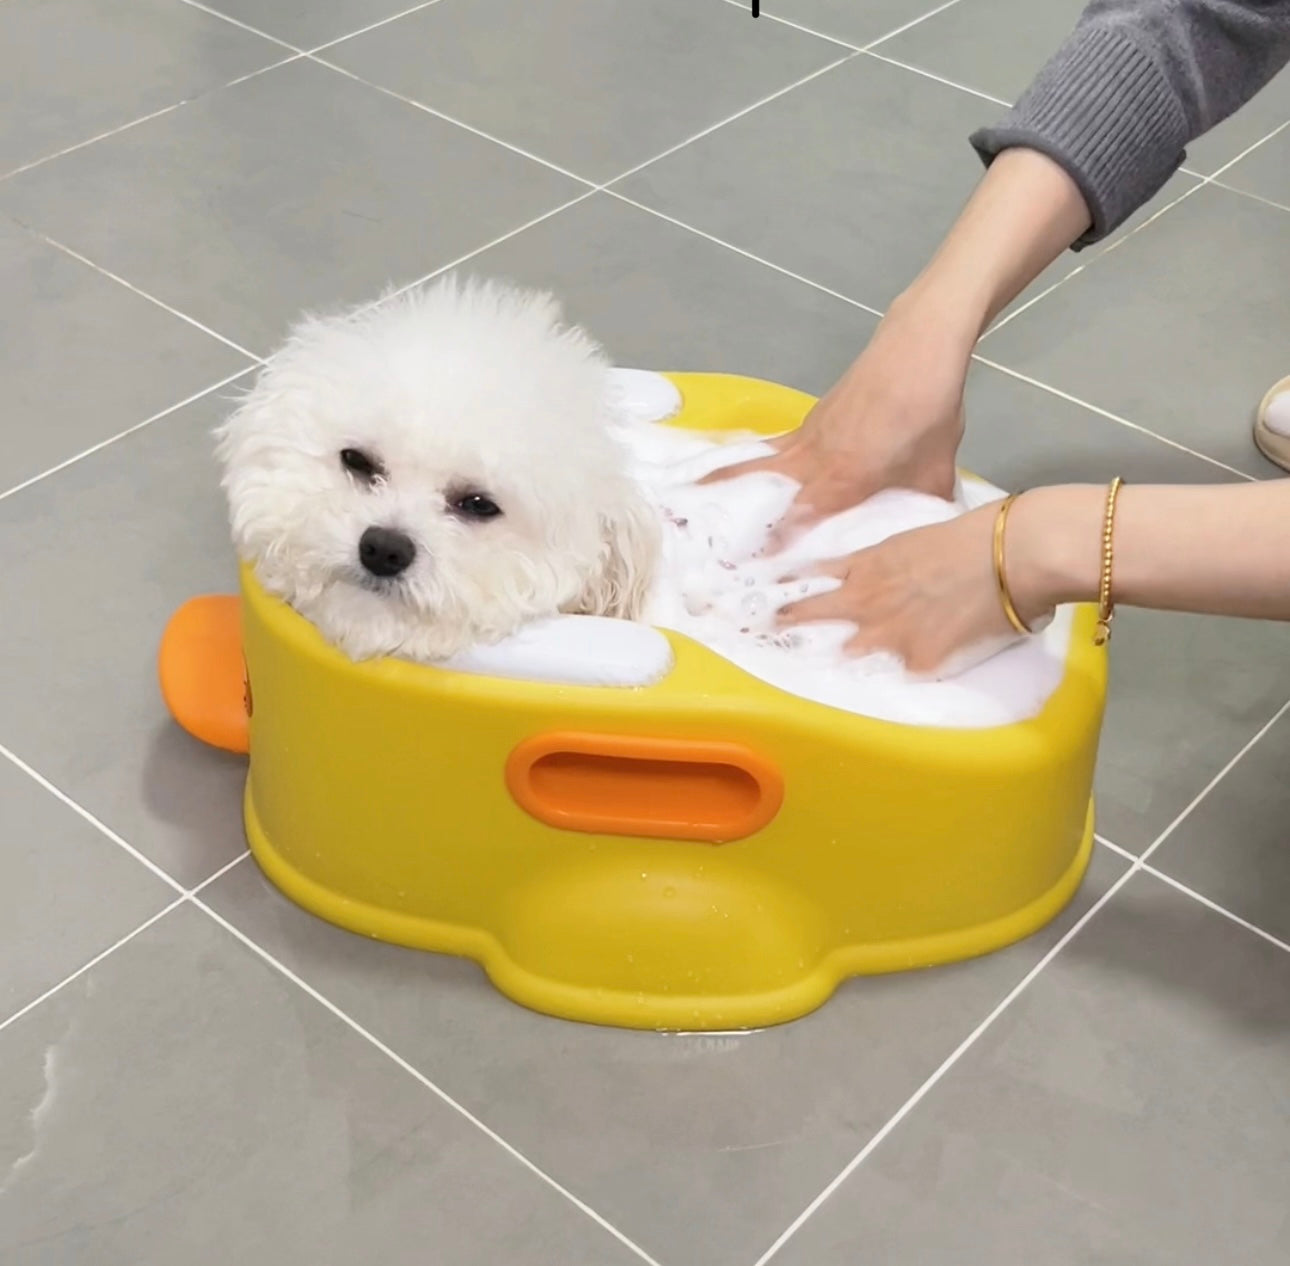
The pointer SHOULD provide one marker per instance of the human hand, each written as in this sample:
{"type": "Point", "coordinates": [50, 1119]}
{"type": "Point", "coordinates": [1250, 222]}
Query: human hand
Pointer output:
{"type": "Point", "coordinates": [894, 420]}
{"type": "Point", "coordinates": [931, 597]}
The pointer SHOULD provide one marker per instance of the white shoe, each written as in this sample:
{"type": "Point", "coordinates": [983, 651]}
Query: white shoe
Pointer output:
{"type": "Point", "coordinates": [1272, 425]}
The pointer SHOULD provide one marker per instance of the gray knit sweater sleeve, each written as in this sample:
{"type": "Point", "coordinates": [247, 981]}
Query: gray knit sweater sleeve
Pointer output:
{"type": "Point", "coordinates": [1136, 82]}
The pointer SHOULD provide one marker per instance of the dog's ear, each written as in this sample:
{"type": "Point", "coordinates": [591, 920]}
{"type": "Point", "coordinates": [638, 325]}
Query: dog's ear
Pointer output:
{"type": "Point", "coordinates": [628, 560]}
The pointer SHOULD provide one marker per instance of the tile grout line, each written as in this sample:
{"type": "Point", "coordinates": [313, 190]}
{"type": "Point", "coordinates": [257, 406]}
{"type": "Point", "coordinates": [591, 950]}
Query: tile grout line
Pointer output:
{"type": "Point", "coordinates": [777, 20]}
{"type": "Point", "coordinates": [311, 54]}
{"type": "Point", "coordinates": [1245, 153]}
{"type": "Point", "coordinates": [129, 430]}
{"type": "Point", "coordinates": [189, 896]}
{"type": "Point", "coordinates": [866, 50]}
{"type": "Point", "coordinates": [1115, 848]}
{"type": "Point", "coordinates": [1007, 317]}
{"type": "Point", "coordinates": [220, 873]}
{"type": "Point", "coordinates": [1212, 180]}
{"type": "Point", "coordinates": [1213, 782]}
{"type": "Point", "coordinates": [864, 307]}
{"type": "Point", "coordinates": [853, 51]}
{"type": "Point", "coordinates": [244, 26]}
{"type": "Point", "coordinates": [739, 250]}
{"type": "Point", "coordinates": [1181, 887]}
{"type": "Point", "coordinates": [479, 250]}
{"type": "Point", "coordinates": [87, 816]}
{"type": "Point", "coordinates": [296, 54]}
{"type": "Point", "coordinates": [421, 1077]}
{"type": "Point", "coordinates": [947, 1064]}
{"type": "Point", "coordinates": [372, 26]}
{"type": "Point", "coordinates": [1138, 865]}
{"type": "Point", "coordinates": [593, 186]}
{"type": "Point", "coordinates": [1216, 908]}
{"type": "Point", "coordinates": [299, 54]}
{"type": "Point", "coordinates": [317, 48]}
{"type": "Point", "coordinates": [257, 360]}
{"type": "Point", "coordinates": [91, 964]}
{"type": "Point", "coordinates": [1109, 416]}
{"type": "Point", "coordinates": [145, 118]}
{"type": "Point", "coordinates": [186, 895]}
{"type": "Point", "coordinates": [184, 898]}
{"type": "Point", "coordinates": [143, 294]}
{"type": "Point", "coordinates": [1202, 180]}
{"type": "Point", "coordinates": [738, 114]}
{"type": "Point", "coordinates": [1245, 193]}
{"type": "Point", "coordinates": [836, 39]}
{"type": "Point", "coordinates": [940, 79]}
{"type": "Point", "coordinates": [448, 118]}
{"type": "Point", "coordinates": [909, 26]}
{"type": "Point", "coordinates": [1079, 268]}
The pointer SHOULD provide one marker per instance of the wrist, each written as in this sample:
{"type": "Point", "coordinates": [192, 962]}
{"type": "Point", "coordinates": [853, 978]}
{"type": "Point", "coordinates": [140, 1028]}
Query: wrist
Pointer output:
{"type": "Point", "coordinates": [1025, 213]}
{"type": "Point", "coordinates": [950, 302]}
{"type": "Point", "coordinates": [1053, 548]}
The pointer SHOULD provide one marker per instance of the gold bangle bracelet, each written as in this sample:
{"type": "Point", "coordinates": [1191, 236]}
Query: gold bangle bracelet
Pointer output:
{"type": "Point", "coordinates": [1001, 571]}
{"type": "Point", "coordinates": [1105, 600]}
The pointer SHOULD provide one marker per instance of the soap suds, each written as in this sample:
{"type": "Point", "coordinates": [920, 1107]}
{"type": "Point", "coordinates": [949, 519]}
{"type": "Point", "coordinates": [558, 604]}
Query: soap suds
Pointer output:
{"type": "Point", "coordinates": [719, 585]}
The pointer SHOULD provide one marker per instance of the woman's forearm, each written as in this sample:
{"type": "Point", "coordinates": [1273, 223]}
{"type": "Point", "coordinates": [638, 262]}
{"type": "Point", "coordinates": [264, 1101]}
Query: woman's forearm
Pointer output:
{"type": "Point", "coordinates": [1134, 84]}
{"type": "Point", "coordinates": [1221, 550]}
{"type": "Point", "coordinates": [1024, 214]}
{"type": "Point", "coordinates": [1098, 133]}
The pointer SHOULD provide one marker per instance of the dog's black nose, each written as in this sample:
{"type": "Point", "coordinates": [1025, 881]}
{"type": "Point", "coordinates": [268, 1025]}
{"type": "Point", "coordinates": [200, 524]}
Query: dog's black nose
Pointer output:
{"type": "Point", "coordinates": [385, 552]}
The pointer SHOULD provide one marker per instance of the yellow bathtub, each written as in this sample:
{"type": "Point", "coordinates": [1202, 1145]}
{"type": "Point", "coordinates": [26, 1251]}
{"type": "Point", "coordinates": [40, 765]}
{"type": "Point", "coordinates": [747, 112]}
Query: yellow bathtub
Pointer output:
{"type": "Point", "coordinates": [703, 853]}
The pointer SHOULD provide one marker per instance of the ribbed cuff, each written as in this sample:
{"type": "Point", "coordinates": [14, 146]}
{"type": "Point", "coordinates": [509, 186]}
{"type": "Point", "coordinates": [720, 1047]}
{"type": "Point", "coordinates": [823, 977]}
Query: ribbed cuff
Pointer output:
{"type": "Point", "coordinates": [1105, 112]}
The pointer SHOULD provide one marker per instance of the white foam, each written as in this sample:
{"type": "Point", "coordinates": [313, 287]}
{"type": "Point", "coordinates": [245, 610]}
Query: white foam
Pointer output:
{"type": "Point", "coordinates": [573, 650]}
{"type": "Point", "coordinates": [717, 587]}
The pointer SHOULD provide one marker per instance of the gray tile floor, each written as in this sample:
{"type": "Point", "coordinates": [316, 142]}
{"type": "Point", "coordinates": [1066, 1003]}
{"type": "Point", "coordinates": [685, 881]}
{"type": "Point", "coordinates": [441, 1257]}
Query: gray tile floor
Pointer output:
{"type": "Point", "coordinates": [191, 1070]}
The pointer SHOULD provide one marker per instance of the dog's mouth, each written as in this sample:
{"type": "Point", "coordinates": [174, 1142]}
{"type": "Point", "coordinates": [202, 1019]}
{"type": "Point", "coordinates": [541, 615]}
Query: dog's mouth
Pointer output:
{"type": "Point", "coordinates": [383, 586]}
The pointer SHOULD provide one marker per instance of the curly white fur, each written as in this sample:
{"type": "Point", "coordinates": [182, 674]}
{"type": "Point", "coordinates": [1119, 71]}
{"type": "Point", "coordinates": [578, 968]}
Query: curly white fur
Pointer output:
{"type": "Point", "coordinates": [456, 390]}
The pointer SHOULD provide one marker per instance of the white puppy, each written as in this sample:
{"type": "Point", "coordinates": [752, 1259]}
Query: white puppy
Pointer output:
{"type": "Point", "coordinates": [436, 471]}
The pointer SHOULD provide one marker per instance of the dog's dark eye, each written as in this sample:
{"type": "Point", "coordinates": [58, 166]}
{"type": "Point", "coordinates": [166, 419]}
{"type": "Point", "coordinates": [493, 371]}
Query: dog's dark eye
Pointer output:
{"type": "Point", "coordinates": [359, 464]}
{"type": "Point", "coordinates": [474, 505]}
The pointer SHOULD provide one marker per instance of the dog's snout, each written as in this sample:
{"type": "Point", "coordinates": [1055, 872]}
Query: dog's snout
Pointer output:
{"type": "Point", "coordinates": [386, 552]}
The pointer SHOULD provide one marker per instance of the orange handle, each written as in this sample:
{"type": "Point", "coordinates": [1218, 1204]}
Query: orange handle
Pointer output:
{"type": "Point", "coordinates": [609, 784]}
{"type": "Point", "coordinates": [202, 673]}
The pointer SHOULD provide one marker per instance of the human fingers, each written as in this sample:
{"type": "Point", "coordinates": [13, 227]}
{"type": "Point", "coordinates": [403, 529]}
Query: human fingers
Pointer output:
{"type": "Point", "coordinates": [832, 569]}
{"type": "Point", "coordinates": [779, 462]}
{"type": "Point", "coordinates": [835, 603]}
{"type": "Point", "coordinates": [889, 639]}
{"type": "Point", "coordinates": [799, 589]}
{"type": "Point", "coordinates": [824, 492]}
